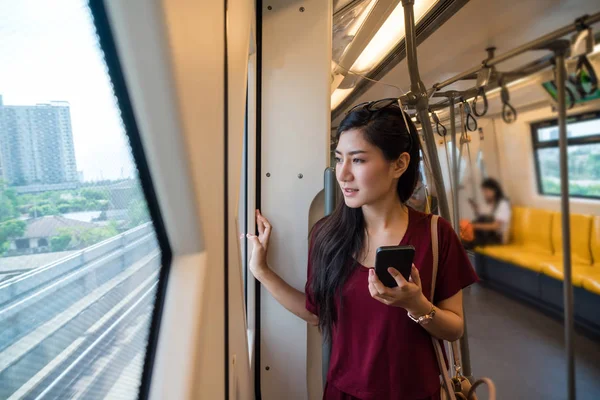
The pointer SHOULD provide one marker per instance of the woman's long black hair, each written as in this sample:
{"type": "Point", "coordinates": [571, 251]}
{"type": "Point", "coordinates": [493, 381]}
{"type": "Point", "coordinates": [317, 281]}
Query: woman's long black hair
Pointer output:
{"type": "Point", "coordinates": [339, 238]}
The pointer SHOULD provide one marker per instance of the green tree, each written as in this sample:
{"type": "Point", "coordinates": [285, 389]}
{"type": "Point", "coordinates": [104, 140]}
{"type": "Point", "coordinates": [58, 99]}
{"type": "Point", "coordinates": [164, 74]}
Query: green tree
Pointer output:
{"type": "Point", "coordinates": [49, 209]}
{"type": "Point", "coordinates": [91, 236]}
{"type": "Point", "coordinates": [8, 203]}
{"type": "Point", "coordinates": [103, 205]}
{"type": "Point", "coordinates": [94, 194]}
{"type": "Point", "coordinates": [9, 230]}
{"type": "Point", "coordinates": [64, 208]}
{"type": "Point", "coordinates": [593, 166]}
{"type": "Point", "coordinates": [12, 229]}
{"type": "Point", "coordinates": [138, 213]}
{"type": "Point", "coordinates": [61, 242]}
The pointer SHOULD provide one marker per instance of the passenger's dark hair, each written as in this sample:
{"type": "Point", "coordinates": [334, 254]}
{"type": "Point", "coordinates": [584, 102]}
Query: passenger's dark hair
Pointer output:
{"type": "Point", "coordinates": [339, 238]}
{"type": "Point", "coordinates": [494, 185]}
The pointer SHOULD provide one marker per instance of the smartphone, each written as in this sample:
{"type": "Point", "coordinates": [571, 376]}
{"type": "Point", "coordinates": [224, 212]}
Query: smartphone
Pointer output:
{"type": "Point", "coordinates": [398, 257]}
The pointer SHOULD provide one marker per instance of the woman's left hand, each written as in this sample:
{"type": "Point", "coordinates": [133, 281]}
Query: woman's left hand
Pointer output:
{"type": "Point", "coordinates": [408, 294]}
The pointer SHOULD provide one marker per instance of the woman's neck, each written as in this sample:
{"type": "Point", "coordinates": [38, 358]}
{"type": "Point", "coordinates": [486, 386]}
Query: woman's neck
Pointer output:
{"type": "Point", "coordinates": [385, 214]}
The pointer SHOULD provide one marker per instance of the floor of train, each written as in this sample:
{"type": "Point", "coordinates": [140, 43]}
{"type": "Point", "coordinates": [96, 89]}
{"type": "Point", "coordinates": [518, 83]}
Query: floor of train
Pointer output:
{"type": "Point", "coordinates": [522, 350]}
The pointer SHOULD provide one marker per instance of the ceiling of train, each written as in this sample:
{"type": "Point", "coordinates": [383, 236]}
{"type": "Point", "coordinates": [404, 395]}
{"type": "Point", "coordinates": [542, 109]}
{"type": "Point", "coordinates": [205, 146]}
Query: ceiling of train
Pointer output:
{"type": "Point", "coordinates": [460, 42]}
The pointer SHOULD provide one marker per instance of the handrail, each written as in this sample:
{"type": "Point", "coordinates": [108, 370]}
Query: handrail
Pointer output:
{"type": "Point", "coordinates": [532, 45]}
{"type": "Point", "coordinates": [418, 97]}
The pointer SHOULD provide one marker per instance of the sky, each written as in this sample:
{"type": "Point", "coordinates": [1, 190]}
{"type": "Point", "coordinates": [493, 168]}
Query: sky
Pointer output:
{"type": "Point", "coordinates": [49, 52]}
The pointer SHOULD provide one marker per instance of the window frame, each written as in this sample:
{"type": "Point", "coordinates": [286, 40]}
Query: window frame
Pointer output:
{"type": "Point", "coordinates": [106, 42]}
{"type": "Point", "coordinates": [550, 144]}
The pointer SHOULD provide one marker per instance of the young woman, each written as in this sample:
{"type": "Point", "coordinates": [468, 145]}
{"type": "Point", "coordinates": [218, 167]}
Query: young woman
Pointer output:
{"type": "Point", "coordinates": [492, 222]}
{"type": "Point", "coordinates": [378, 350]}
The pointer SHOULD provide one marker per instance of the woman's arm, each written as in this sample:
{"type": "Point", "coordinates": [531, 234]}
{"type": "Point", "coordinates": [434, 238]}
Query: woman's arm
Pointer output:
{"type": "Point", "coordinates": [447, 323]}
{"type": "Point", "coordinates": [487, 226]}
{"type": "Point", "coordinates": [290, 298]}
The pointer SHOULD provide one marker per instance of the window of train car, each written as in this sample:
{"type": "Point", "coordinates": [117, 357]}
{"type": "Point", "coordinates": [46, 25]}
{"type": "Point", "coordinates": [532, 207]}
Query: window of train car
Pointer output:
{"type": "Point", "coordinates": [79, 255]}
{"type": "Point", "coordinates": [583, 137]}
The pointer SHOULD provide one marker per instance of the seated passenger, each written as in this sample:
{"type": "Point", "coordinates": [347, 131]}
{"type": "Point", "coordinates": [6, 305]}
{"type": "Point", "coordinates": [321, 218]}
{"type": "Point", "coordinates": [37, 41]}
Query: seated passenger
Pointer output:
{"type": "Point", "coordinates": [378, 350]}
{"type": "Point", "coordinates": [492, 222]}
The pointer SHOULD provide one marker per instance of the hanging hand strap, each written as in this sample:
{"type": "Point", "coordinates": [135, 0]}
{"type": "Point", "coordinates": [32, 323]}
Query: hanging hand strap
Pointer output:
{"type": "Point", "coordinates": [480, 93]}
{"type": "Point", "coordinates": [447, 382]}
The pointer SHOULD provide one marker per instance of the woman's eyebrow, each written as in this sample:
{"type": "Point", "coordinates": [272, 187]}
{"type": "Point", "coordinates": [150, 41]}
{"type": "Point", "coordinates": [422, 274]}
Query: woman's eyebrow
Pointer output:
{"type": "Point", "coordinates": [353, 152]}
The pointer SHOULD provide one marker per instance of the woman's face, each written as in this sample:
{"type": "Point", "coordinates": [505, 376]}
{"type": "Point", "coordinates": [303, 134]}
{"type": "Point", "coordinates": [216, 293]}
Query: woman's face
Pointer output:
{"type": "Point", "coordinates": [363, 173]}
{"type": "Point", "coordinates": [488, 195]}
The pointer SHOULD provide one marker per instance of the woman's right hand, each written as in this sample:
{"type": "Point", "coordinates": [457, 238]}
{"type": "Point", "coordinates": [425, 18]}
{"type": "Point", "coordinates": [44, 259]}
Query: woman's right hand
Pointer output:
{"type": "Point", "coordinates": [258, 259]}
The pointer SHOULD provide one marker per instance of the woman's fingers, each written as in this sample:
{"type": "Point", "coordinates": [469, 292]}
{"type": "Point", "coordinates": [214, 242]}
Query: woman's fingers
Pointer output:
{"type": "Point", "coordinates": [379, 297]}
{"type": "Point", "coordinates": [264, 227]}
{"type": "Point", "coordinates": [253, 239]}
{"type": "Point", "coordinates": [397, 277]}
{"type": "Point", "coordinates": [381, 289]}
{"type": "Point", "coordinates": [372, 290]}
{"type": "Point", "coordinates": [414, 276]}
{"type": "Point", "coordinates": [259, 222]}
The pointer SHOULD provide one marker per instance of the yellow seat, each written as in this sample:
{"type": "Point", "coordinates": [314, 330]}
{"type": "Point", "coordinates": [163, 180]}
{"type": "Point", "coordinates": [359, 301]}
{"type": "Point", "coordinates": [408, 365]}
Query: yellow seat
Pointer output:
{"type": "Point", "coordinates": [517, 228]}
{"type": "Point", "coordinates": [500, 252]}
{"type": "Point", "coordinates": [579, 272]}
{"type": "Point", "coordinates": [581, 257]}
{"type": "Point", "coordinates": [536, 234]}
{"type": "Point", "coordinates": [530, 259]}
{"type": "Point", "coordinates": [592, 283]}
{"type": "Point", "coordinates": [516, 237]}
{"type": "Point", "coordinates": [531, 243]}
{"type": "Point", "coordinates": [581, 231]}
{"type": "Point", "coordinates": [595, 241]}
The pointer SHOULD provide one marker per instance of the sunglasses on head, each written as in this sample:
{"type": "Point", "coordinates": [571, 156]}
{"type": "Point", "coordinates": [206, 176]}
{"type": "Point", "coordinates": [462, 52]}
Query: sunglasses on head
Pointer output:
{"type": "Point", "coordinates": [377, 105]}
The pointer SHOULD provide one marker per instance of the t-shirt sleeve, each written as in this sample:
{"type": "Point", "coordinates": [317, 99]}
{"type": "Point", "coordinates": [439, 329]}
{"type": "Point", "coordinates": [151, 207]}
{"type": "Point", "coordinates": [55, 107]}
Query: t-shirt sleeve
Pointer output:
{"type": "Point", "coordinates": [503, 212]}
{"type": "Point", "coordinates": [455, 271]}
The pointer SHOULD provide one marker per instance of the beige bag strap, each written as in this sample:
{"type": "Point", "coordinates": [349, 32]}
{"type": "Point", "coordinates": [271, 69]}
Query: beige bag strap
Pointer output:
{"type": "Point", "coordinates": [456, 356]}
{"type": "Point", "coordinates": [448, 392]}
{"type": "Point", "coordinates": [434, 249]}
{"type": "Point", "coordinates": [447, 382]}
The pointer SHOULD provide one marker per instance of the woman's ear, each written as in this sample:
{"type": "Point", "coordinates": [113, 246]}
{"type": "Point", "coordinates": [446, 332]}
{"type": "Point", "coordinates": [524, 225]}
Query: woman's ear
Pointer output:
{"type": "Point", "coordinates": [401, 165]}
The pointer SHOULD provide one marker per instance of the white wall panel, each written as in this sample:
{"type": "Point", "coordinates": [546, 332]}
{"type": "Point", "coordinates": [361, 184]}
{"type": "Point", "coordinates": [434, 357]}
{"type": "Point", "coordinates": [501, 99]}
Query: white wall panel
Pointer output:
{"type": "Point", "coordinates": [295, 131]}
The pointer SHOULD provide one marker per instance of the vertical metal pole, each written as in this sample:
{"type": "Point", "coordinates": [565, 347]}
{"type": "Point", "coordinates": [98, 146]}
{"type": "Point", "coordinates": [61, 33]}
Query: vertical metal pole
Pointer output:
{"type": "Point", "coordinates": [454, 171]}
{"type": "Point", "coordinates": [330, 190]}
{"type": "Point", "coordinates": [465, 352]}
{"type": "Point", "coordinates": [561, 76]}
{"type": "Point", "coordinates": [416, 85]}
{"type": "Point", "coordinates": [418, 97]}
{"type": "Point", "coordinates": [464, 341]}
{"type": "Point", "coordinates": [330, 196]}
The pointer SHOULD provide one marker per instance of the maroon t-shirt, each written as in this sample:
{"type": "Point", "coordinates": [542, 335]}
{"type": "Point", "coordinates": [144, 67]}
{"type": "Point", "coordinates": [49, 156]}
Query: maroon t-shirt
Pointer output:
{"type": "Point", "coordinates": [377, 351]}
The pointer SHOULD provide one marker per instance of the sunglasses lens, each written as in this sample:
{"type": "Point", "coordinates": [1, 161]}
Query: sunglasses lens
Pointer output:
{"type": "Point", "coordinates": [374, 105]}
{"type": "Point", "coordinates": [356, 107]}
{"type": "Point", "coordinates": [378, 105]}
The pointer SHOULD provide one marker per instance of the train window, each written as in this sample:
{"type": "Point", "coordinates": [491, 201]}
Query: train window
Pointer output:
{"type": "Point", "coordinates": [583, 137]}
{"type": "Point", "coordinates": [79, 255]}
